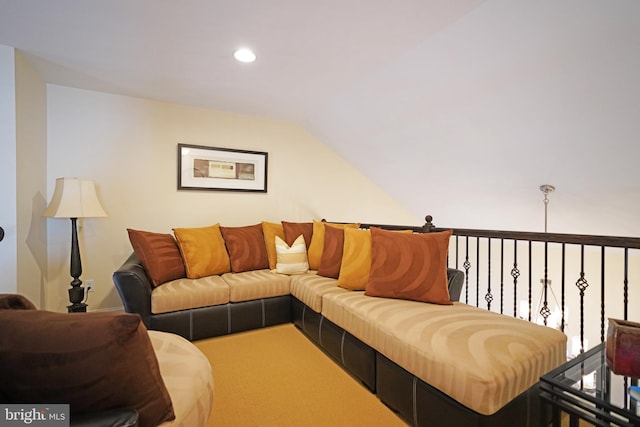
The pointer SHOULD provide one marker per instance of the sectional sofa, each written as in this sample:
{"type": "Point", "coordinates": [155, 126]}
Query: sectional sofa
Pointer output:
{"type": "Point", "coordinates": [379, 300]}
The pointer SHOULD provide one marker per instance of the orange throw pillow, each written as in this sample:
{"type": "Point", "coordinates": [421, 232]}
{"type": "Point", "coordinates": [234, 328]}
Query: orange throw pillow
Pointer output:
{"type": "Point", "coordinates": [203, 251]}
{"type": "Point", "coordinates": [409, 266]}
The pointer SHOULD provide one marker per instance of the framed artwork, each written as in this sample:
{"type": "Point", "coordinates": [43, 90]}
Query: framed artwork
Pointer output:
{"type": "Point", "coordinates": [221, 169]}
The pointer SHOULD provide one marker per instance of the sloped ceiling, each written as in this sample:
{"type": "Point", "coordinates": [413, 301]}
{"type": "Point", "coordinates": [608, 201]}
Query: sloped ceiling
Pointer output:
{"type": "Point", "coordinates": [459, 109]}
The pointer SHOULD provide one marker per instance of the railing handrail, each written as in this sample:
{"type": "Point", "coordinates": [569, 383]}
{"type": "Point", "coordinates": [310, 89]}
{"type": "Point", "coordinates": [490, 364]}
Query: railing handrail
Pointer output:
{"type": "Point", "coordinates": [577, 239]}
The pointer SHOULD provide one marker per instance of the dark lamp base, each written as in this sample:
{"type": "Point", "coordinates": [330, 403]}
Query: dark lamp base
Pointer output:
{"type": "Point", "coordinates": [77, 308]}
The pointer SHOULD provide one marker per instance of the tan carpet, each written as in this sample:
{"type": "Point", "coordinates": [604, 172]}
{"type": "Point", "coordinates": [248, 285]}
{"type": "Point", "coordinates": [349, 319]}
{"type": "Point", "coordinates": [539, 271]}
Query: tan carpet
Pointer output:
{"type": "Point", "coordinates": [277, 377]}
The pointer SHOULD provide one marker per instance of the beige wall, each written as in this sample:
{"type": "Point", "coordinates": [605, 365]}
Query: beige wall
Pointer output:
{"type": "Point", "coordinates": [31, 180]}
{"type": "Point", "coordinates": [129, 147]}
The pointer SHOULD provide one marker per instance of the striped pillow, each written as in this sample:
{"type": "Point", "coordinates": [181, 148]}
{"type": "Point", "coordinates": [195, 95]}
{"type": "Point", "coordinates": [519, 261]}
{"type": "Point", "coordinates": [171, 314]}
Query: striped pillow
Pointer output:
{"type": "Point", "coordinates": [291, 259]}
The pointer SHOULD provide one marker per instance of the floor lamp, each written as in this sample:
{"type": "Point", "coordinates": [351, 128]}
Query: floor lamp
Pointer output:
{"type": "Point", "coordinates": [75, 198]}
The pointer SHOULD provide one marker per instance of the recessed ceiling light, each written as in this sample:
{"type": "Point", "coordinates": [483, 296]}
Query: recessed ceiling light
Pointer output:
{"type": "Point", "coordinates": [244, 55]}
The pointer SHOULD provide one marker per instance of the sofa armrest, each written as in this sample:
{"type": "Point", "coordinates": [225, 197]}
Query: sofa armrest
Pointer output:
{"type": "Point", "coordinates": [456, 281]}
{"type": "Point", "coordinates": [134, 288]}
{"type": "Point", "coordinates": [115, 417]}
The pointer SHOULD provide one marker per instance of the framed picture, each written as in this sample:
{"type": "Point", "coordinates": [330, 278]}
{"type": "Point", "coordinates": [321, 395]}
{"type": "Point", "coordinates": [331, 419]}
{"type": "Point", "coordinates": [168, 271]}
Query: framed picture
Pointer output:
{"type": "Point", "coordinates": [221, 169]}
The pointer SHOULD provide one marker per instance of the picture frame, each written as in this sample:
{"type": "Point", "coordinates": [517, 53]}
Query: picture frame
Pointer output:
{"type": "Point", "coordinates": [221, 169]}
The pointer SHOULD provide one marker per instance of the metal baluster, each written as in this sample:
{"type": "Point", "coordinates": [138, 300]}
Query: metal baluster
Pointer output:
{"type": "Point", "coordinates": [515, 273]}
{"type": "Point", "coordinates": [545, 311]}
{"type": "Point", "coordinates": [501, 276]}
{"type": "Point", "coordinates": [530, 279]}
{"type": "Point", "coordinates": [562, 284]}
{"type": "Point", "coordinates": [602, 279]}
{"type": "Point", "coordinates": [467, 266]}
{"type": "Point", "coordinates": [626, 282]}
{"type": "Point", "coordinates": [457, 252]}
{"type": "Point", "coordinates": [477, 272]}
{"type": "Point", "coordinates": [488, 297]}
{"type": "Point", "coordinates": [582, 285]}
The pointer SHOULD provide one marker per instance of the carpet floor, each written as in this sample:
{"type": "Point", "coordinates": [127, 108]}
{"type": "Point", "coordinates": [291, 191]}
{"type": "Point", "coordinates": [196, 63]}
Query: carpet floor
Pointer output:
{"type": "Point", "coordinates": [277, 377]}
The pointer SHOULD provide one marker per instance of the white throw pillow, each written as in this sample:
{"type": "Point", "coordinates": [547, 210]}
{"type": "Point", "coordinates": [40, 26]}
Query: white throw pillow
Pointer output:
{"type": "Point", "coordinates": [291, 259]}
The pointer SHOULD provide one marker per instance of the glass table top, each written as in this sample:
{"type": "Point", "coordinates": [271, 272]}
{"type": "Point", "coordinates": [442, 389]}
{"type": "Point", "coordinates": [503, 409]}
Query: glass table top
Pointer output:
{"type": "Point", "coordinates": [588, 377]}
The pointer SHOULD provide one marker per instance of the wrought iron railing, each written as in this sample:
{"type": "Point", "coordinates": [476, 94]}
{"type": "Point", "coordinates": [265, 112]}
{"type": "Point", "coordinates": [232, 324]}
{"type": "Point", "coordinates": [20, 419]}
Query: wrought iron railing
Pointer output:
{"type": "Point", "coordinates": [594, 274]}
{"type": "Point", "coordinates": [597, 276]}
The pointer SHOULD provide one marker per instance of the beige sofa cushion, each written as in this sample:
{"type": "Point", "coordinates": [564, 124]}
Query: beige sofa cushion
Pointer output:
{"type": "Point", "coordinates": [310, 288]}
{"type": "Point", "coordinates": [256, 284]}
{"type": "Point", "coordinates": [479, 358]}
{"type": "Point", "coordinates": [183, 294]}
{"type": "Point", "coordinates": [187, 374]}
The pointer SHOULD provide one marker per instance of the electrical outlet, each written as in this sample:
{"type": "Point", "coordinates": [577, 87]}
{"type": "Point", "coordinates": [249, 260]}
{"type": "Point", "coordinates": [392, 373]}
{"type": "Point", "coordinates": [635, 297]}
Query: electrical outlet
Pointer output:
{"type": "Point", "coordinates": [89, 285]}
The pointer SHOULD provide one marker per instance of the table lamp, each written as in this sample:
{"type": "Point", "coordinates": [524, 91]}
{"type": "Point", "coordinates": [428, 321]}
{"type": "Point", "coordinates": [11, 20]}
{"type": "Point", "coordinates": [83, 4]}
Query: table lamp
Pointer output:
{"type": "Point", "coordinates": [75, 198]}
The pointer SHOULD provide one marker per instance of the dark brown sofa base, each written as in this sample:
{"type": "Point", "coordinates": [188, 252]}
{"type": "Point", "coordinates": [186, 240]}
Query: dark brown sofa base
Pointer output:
{"type": "Point", "coordinates": [411, 398]}
{"type": "Point", "coordinates": [207, 322]}
{"type": "Point", "coordinates": [348, 351]}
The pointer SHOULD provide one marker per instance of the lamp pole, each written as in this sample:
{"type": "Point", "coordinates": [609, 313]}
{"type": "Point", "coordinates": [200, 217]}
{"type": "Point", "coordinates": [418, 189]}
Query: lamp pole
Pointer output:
{"type": "Point", "coordinates": [76, 292]}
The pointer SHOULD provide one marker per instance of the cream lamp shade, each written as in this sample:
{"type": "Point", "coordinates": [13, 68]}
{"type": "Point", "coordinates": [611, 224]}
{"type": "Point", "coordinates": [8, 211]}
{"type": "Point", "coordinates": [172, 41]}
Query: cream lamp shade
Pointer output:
{"type": "Point", "coordinates": [74, 198]}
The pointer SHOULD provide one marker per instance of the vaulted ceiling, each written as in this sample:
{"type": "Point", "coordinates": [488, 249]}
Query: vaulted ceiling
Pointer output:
{"type": "Point", "coordinates": [459, 109]}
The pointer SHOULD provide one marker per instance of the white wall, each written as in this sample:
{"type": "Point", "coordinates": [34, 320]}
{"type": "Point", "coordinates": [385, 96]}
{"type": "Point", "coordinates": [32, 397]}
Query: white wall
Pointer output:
{"type": "Point", "coordinates": [513, 95]}
{"type": "Point", "coordinates": [129, 147]}
{"type": "Point", "coordinates": [8, 257]}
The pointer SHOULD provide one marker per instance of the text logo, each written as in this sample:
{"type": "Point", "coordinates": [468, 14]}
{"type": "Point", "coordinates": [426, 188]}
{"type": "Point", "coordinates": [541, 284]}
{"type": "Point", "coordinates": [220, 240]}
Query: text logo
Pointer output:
{"type": "Point", "coordinates": [34, 415]}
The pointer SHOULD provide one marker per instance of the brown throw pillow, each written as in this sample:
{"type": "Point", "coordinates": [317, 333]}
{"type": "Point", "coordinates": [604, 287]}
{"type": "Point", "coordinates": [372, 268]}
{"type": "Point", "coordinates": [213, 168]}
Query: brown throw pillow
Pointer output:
{"type": "Point", "coordinates": [294, 229]}
{"type": "Point", "coordinates": [15, 302]}
{"type": "Point", "coordinates": [332, 252]}
{"type": "Point", "coordinates": [159, 255]}
{"type": "Point", "coordinates": [409, 266]}
{"type": "Point", "coordinates": [91, 361]}
{"type": "Point", "coordinates": [246, 248]}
